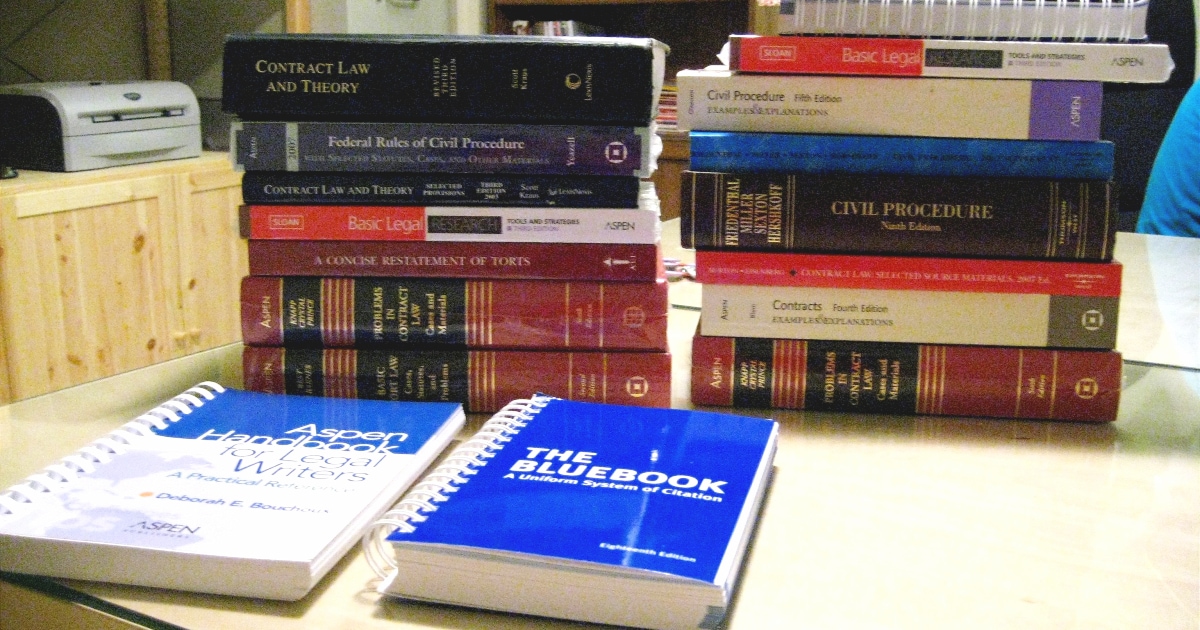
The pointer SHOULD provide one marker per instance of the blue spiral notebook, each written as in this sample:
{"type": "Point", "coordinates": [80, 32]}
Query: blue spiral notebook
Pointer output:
{"type": "Point", "coordinates": [593, 512]}
{"type": "Point", "coordinates": [223, 491]}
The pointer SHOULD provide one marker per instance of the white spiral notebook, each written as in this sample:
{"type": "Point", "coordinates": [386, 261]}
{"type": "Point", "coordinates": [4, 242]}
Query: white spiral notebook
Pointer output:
{"type": "Point", "coordinates": [1078, 20]}
{"type": "Point", "coordinates": [222, 491]}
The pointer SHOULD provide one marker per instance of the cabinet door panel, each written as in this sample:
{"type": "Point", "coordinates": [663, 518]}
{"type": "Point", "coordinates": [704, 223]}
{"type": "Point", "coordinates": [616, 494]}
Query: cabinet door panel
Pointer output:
{"type": "Point", "coordinates": [212, 260]}
{"type": "Point", "coordinates": [84, 291]}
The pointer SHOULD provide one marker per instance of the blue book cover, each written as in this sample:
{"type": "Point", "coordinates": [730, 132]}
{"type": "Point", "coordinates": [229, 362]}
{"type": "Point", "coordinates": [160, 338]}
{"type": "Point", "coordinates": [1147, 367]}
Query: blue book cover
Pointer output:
{"type": "Point", "coordinates": [900, 155]}
{"type": "Point", "coordinates": [223, 491]}
{"type": "Point", "coordinates": [659, 494]}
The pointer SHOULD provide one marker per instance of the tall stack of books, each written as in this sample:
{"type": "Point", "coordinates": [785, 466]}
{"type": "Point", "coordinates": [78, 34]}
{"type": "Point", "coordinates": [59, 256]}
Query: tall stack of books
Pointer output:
{"type": "Point", "coordinates": [451, 218]}
{"type": "Point", "coordinates": [909, 224]}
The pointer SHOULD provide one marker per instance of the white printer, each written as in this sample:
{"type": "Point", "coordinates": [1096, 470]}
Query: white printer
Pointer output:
{"type": "Point", "coordinates": [78, 126]}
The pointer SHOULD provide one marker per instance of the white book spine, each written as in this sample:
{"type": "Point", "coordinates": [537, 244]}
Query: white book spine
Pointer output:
{"type": "Point", "coordinates": [543, 225]}
{"type": "Point", "coordinates": [931, 317]}
{"type": "Point", "coordinates": [715, 100]}
{"type": "Point", "coordinates": [1116, 62]}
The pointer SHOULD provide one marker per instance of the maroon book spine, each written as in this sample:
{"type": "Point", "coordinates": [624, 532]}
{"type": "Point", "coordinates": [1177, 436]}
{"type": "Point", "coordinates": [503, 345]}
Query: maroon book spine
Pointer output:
{"type": "Point", "coordinates": [899, 378]}
{"type": "Point", "coordinates": [453, 313]}
{"type": "Point", "coordinates": [536, 261]}
{"type": "Point", "coordinates": [483, 381]}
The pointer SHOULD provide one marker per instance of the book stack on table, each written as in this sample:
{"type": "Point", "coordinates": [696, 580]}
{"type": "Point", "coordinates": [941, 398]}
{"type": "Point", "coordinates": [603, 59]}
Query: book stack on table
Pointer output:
{"type": "Point", "coordinates": [907, 224]}
{"type": "Point", "coordinates": [452, 218]}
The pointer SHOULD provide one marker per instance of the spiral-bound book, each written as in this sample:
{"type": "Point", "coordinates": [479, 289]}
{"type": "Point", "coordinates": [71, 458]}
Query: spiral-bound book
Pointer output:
{"type": "Point", "coordinates": [222, 491]}
{"type": "Point", "coordinates": [1072, 20]}
{"type": "Point", "coordinates": [584, 511]}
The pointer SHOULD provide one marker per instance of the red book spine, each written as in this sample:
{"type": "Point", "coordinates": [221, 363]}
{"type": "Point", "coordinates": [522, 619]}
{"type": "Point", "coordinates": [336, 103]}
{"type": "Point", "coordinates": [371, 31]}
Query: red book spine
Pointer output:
{"type": "Point", "coordinates": [333, 222]}
{"type": "Point", "coordinates": [849, 271]}
{"type": "Point", "coordinates": [450, 313]}
{"type": "Point", "coordinates": [893, 378]}
{"type": "Point", "coordinates": [828, 55]}
{"type": "Point", "coordinates": [483, 381]}
{"type": "Point", "coordinates": [547, 261]}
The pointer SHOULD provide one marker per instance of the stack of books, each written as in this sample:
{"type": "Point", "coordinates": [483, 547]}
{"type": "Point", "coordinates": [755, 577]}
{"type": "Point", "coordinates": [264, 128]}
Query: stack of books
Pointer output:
{"type": "Point", "coordinates": [907, 224]}
{"type": "Point", "coordinates": [450, 218]}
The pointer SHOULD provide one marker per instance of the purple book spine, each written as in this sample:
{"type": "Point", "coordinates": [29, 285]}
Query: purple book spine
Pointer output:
{"type": "Point", "coordinates": [442, 147]}
{"type": "Point", "coordinates": [1065, 110]}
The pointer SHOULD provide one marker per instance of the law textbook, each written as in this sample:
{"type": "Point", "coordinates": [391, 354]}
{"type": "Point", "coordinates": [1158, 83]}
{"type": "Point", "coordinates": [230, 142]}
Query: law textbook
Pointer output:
{"type": "Point", "coordinates": [585, 511]}
{"type": "Point", "coordinates": [222, 491]}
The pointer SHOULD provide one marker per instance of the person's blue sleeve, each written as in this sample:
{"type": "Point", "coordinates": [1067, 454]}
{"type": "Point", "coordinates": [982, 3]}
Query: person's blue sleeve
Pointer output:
{"type": "Point", "coordinates": [1172, 203]}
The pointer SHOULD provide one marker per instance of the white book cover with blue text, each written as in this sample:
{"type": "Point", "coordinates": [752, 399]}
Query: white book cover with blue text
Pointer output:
{"type": "Point", "coordinates": [222, 491]}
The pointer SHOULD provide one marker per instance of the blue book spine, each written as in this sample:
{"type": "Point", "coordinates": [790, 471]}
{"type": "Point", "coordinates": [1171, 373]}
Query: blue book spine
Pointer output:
{"type": "Point", "coordinates": [900, 155]}
{"type": "Point", "coordinates": [442, 147]}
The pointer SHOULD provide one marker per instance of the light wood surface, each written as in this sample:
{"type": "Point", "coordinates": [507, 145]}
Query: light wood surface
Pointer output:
{"type": "Point", "coordinates": [110, 270]}
{"type": "Point", "coordinates": [871, 521]}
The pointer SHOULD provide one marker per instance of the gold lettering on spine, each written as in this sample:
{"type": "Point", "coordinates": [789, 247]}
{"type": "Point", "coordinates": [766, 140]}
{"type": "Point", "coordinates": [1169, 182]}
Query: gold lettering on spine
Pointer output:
{"type": "Point", "coordinates": [1020, 382]}
{"type": "Point", "coordinates": [604, 377]}
{"type": "Point", "coordinates": [922, 394]}
{"type": "Point", "coordinates": [941, 387]}
{"type": "Point", "coordinates": [489, 306]}
{"type": "Point", "coordinates": [732, 205]}
{"type": "Point", "coordinates": [567, 315]}
{"type": "Point", "coordinates": [774, 213]}
{"type": "Point", "coordinates": [601, 316]}
{"type": "Point", "coordinates": [1053, 384]}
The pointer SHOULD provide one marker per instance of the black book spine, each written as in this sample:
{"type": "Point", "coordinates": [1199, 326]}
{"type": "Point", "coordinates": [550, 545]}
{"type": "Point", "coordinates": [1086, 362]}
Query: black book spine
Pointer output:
{"type": "Point", "coordinates": [463, 79]}
{"type": "Point", "coordinates": [979, 217]}
{"type": "Point", "coordinates": [439, 189]}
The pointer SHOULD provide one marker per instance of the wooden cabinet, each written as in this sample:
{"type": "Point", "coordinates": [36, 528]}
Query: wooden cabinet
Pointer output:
{"type": "Point", "coordinates": [110, 270]}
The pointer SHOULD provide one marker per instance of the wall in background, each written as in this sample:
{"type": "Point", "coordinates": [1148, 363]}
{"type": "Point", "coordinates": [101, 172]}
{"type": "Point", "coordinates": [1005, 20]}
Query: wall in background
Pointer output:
{"type": "Point", "coordinates": [397, 16]}
{"type": "Point", "coordinates": [71, 40]}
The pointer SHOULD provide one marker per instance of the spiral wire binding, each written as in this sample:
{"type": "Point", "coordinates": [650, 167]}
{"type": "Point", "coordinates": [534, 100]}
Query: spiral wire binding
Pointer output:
{"type": "Point", "coordinates": [436, 487]}
{"type": "Point", "coordinates": [1047, 18]}
{"type": "Point", "coordinates": [102, 450]}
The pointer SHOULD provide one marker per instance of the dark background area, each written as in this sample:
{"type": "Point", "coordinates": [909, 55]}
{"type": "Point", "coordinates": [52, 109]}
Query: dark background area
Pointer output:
{"type": "Point", "coordinates": [1135, 116]}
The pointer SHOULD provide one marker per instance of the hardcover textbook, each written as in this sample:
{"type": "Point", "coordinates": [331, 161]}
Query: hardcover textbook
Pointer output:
{"type": "Point", "coordinates": [222, 491]}
{"type": "Point", "coordinates": [460, 78]}
{"type": "Point", "coordinates": [599, 513]}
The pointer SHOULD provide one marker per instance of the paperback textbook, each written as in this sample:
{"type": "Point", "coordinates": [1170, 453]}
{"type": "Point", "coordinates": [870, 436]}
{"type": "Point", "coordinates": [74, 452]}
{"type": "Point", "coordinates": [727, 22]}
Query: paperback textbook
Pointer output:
{"type": "Point", "coordinates": [716, 99]}
{"type": "Point", "coordinates": [403, 312]}
{"type": "Point", "coordinates": [1042, 320]}
{"type": "Point", "coordinates": [597, 513]}
{"type": "Point", "coordinates": [979, 217]}
{"type": "Point", "coordinates": [482, 380]}
{"type": "Point", "coordinates": [817, 153]}
{"type": "Point", "coordinates": [475, 224]}
{"type": "Point", "coordinates": [466, 78]}
{"type": "Point", "coordinates": [222, 491]}
{"type": "Point", "coordinates": [891, 378]}
{"type": "Point", "coordinates": [994, 19]}
{"type": "Point", "coordinates": [1108, 61]}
